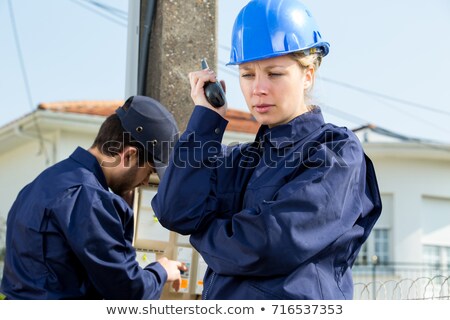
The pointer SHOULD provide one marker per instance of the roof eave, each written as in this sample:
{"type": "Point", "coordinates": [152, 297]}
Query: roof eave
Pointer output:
{"type": "Point", "coordinates": [42, 122]}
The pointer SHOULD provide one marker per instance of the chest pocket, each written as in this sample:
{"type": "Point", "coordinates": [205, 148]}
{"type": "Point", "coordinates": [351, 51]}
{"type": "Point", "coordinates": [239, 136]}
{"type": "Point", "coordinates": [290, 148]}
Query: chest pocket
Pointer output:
{"type": "Point", "coordinates": [255, 196]}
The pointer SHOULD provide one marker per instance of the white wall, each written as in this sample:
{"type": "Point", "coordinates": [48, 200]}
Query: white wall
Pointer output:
{"type": "Point", "coordinates": [22, 163]}
{"type": "Point", "coordinates": [435, 221]}
{"type": "Point", "coordinates": [410, 182]}
{"type": "Point", "coordinates": [71, 140]}
{"type": "Point", "coordinates": [18, 167]}
{"type": "Point", "coordinates": [411, 186]}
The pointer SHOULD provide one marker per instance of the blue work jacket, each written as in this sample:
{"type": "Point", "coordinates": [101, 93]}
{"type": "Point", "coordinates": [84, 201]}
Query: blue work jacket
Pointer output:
{"type": "Point", "coordinates": [280, 218]}
{"type": "Point", "coordinates": [69, 237]}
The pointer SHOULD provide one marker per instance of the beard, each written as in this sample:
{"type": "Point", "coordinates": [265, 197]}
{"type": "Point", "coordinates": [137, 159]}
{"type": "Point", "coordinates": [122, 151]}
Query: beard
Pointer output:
{"type": "Point", "coordinates": [126, 183]}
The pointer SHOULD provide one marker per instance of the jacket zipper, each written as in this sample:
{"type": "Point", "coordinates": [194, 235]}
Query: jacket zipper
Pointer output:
{"type": "Point", "coordinates": [211, 282]}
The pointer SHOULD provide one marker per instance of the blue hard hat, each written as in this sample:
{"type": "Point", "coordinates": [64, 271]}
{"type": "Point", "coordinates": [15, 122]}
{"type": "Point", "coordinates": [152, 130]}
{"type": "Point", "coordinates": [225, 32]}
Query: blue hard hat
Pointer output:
{"type": "Point", "coordinates": [269, 28]}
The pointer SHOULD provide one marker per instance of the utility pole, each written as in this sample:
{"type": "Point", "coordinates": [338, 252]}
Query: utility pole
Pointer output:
{"type": "Point", "coordinates": [174, 35]}
{"type": "Point", "coordinates": [182, 33]}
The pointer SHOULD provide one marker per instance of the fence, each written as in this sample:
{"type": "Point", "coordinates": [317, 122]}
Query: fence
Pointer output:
{"type": "Point", "coordinates": [401, 281]}
{"type": "Point", "coordinates": [396, 281]}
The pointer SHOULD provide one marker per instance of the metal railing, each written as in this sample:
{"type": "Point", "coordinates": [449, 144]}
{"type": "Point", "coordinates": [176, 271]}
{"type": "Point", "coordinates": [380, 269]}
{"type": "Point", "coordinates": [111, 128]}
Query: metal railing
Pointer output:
{"type": "Point", "coordinates": [396, 281]}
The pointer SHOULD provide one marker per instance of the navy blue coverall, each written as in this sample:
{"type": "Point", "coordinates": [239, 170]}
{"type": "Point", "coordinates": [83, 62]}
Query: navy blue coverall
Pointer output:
{"type": "Point", "coordinates": [280, 218]}
{"type": "Point", "coordinates": [69, 237]}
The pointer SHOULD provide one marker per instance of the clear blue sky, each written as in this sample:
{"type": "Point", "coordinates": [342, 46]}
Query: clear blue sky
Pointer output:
{"type": "Point", "coordinates": [395, 48]}
{"type": "Point", "coordinates": [72, 50]}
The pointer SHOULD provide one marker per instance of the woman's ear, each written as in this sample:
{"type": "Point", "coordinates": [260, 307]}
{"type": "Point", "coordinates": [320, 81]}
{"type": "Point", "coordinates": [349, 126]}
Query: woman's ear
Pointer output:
{"type": "Point", "coordinates": [309, 78]}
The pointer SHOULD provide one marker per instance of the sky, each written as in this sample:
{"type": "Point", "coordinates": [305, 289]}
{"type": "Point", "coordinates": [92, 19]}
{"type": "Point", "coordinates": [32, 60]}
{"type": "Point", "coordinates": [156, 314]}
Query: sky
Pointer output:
{"type": "Point", "coordinates": [387, 64]}
{"type": "Point", "coordinates": [71, 50]}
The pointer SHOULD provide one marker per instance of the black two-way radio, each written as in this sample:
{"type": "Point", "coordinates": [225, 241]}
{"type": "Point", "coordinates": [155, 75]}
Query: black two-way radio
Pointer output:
{"type": "Point", "coordinates": [213, 90]}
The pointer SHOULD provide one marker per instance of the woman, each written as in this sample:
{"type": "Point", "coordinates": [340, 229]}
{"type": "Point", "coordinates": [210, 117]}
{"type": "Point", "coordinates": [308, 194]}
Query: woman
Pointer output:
{"type": "Point", "coordinates": [285, 216]}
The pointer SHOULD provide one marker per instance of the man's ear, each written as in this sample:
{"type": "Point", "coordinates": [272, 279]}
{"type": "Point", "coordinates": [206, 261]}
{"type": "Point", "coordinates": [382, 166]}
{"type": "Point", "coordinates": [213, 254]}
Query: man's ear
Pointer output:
{"type": "Point", "coordinates": [129, 155]}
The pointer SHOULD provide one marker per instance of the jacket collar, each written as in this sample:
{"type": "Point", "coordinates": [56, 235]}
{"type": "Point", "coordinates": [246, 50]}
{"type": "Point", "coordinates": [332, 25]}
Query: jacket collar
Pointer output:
{"type": "Point", "coordinates": [287, 134]}
{"type": "Point", "coordinates": [87, 160]}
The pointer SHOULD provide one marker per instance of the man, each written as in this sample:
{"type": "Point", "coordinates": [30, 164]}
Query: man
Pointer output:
{"type": "Point", "coordinates": [69, 237]}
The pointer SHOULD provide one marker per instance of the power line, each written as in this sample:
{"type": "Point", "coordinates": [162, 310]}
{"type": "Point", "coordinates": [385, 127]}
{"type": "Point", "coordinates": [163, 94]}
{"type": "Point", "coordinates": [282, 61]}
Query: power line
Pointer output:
{"type": "Point", "coordinates": [351, 117]}
{"type": "Point", "coordinates": [112, 10]}
{"type": "Point", "coordinates": [224, 47]}
{"type": "Point", "coordinates": [370, 92]}
{"type": "Point", "coordinates": [20, 56]}
{"type": "Point", "coordinates": [341, 114]}
{"type": "Point", "coordinates": [344, 115]}
{"type": "Point", "coordinates": [26, 82]}
{"type": "Point", "coordinates": [383, 96]}
{"type": "Point", "coordinates": [122, 20]}
{"type": "Point", "coordinates": [230, 72]}
{"type": "Point", "coordinates": [413, 116]}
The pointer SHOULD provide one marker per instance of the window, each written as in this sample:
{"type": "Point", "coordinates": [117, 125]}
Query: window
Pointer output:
{"type": "Point", "coordinates": [437, 259]}
{"type": "Point", "coordinates": [363, 255]}
{"type": "Point", "coordinates": [431, 254]}
{"type": "Point", "coordinates": [436, 255]}
{"type": "Point", "coordinates": [381, 243]}
{"type": "Point", "coordinates": [377, 245]}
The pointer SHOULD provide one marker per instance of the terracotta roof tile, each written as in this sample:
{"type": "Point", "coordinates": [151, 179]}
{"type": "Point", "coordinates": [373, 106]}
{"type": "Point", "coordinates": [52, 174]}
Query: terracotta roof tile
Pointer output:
{"type": "Point", "coordinates": [99, 108]}
{"type": "Point", "coordinates": [239, 121]}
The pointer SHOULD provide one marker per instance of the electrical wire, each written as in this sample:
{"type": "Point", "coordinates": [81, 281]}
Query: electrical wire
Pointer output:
{"type": "Point", "coordinates": [42, 148]}
{"type": "Point", "coordinates": [412, 116]}
{"type": "Point", "coordinates": [344, 115]}
{"type": "Point", "coordinates": [383, 96]}
{"type": "Point", "coordinates": [231, 72]}
{"type": "Point", "coordinates": [355, 119]}
{"type": "Point", "coordinates": [112, 10]}
{"type": "Point", "coordinates": [96, 6]}
{"type": "Point", "coordinates": [20, 56]}
{"type": "Point", "coordinates": [337, 112]}
{"type": "Point", "coordinates": [370, 92]}
{"type": "Point", "coordinates": [122, 17]}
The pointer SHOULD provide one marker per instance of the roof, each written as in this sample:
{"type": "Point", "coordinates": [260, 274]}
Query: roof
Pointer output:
{"type": "Point", "coordinates": [93, 107]}
{"type": "Point", "coordinates": [374, 133]}
{"type": "Point", "coordinates": [86, 115]}
{"type": "Point", "coordinates": [239, 121]}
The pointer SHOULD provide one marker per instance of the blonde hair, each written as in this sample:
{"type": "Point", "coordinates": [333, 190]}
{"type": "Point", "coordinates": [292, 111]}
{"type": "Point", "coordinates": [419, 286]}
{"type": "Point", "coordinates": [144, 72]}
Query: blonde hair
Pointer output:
{"type": "Point", "coordinates": [306, 61]}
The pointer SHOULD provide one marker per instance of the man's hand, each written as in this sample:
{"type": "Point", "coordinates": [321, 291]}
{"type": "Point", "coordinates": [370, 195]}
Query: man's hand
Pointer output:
{"type": "Point", "coordinates": [173, 269]}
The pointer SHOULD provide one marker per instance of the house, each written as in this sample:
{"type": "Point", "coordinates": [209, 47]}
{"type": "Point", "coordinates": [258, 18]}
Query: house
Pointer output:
{"type": "Point", "coordinates": [48, 135]}
{"type": "Point", "coordinates": [408, 252]}
{"type": "Point", "coordinates": [414, 178]}
{"type": "Point", "coordinates": [37, 140]}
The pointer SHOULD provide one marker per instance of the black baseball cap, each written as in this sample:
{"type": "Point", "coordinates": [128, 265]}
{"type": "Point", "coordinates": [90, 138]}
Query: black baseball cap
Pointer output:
{"type": "Point", "coordinates": [150, 123]}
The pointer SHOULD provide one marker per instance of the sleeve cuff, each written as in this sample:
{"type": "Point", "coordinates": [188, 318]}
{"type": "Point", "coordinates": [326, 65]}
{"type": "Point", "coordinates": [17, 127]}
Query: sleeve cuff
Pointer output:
{"type": "Point", "coordinates": [157, 269]}
{"type": "Point", "coordinates": [206, 123]}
